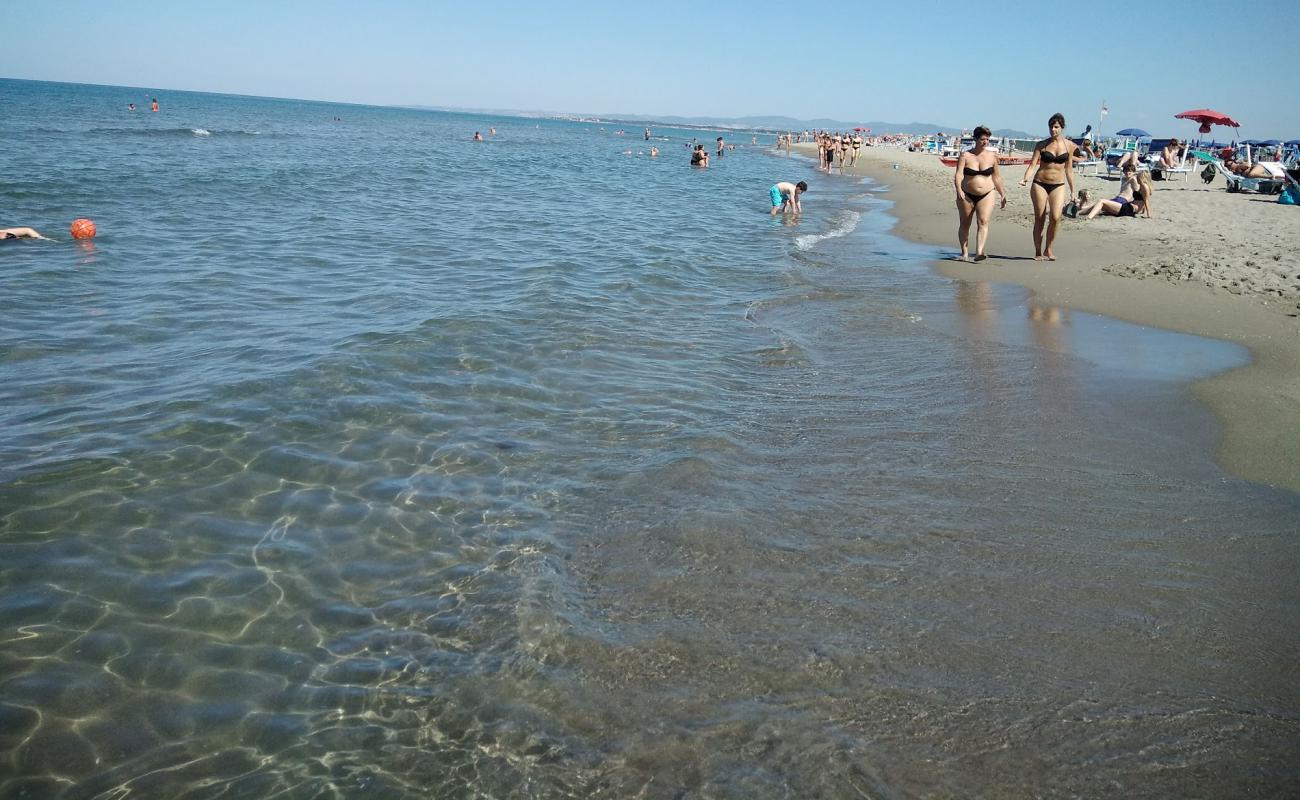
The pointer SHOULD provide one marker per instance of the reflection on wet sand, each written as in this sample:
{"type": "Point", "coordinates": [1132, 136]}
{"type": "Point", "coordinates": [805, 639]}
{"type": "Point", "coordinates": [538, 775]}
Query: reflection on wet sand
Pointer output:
{"type": "Point", "coordinates": [1045, 323]}
{"type": "Point", "coordinates": [982, 321]}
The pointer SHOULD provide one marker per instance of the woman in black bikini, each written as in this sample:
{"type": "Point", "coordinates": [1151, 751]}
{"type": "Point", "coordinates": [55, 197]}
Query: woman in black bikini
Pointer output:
{"type": "Point", "coordinates": [1051, 168]}
{"type": "Point", "coordinates": [976, 178]}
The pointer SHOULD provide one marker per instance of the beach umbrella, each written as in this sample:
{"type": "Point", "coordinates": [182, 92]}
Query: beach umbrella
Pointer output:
{"type": "Point", "coordinates": [1206, 118]}
{"type": "Point", "coordinates": [1138, 132]}
{"type": "Point", "coordinates": [1268, 143]}
{"type": "Point", "coordinates": [868, 130]}
{"type": "Point", "coordinates": [1293, 143]}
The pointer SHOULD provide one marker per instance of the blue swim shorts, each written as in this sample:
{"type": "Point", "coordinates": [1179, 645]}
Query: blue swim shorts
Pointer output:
{"type": "Point", "coordinates": [777, 199]}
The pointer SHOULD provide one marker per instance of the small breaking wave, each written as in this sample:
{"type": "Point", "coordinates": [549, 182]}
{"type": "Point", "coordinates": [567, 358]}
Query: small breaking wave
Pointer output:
{"type": "Point", "coordinates": [165, 132]}
{"type": "Point", "coordinates": [842, 224]}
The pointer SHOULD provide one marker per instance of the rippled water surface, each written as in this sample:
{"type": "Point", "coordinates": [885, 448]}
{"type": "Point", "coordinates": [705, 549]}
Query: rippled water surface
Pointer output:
{"type": "Point", "coordinates": [356, 458]}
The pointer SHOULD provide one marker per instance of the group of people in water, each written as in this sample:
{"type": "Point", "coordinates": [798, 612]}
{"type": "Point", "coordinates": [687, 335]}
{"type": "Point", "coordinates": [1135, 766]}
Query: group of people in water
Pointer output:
{"type": "Point", "coordinates": [977, 178]}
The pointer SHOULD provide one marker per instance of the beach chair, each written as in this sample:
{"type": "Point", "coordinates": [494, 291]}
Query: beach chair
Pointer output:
{"type": "Point", "coordinates": [1238, 183]}
{"type": "Point", "coordinates": [1184, 167]}
{"type": "Point", "coordinates": [1113, 156]}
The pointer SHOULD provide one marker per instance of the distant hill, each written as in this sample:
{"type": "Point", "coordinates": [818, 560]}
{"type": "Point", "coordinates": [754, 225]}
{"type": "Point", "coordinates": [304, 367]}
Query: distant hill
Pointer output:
{"type": "Point", "coordinates": [778, 123]}
{"type": "Point", "coordinates": [756, 123]}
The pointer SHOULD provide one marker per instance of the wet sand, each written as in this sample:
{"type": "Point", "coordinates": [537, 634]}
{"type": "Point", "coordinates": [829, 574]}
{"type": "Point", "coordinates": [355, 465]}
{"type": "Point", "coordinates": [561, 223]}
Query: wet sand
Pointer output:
{"type": "Point", "coordinates": [1230, 272]}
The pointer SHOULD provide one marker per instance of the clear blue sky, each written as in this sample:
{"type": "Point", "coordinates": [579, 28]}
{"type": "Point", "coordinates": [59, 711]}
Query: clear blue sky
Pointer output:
{"type": "Point", "coordinates": [1001, 64]}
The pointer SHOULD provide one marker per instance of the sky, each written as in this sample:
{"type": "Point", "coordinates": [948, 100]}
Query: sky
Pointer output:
{"type": "Point", "coordinates": [953, 64]}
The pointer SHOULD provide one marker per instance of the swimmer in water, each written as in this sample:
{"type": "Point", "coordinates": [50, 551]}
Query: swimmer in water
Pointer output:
{"type": "Point", "coordinates": [654, 151]}
{"type": "Point", "coordinates": [478, 137]}
{"type": "Point", "coordinates": [153, 104]}
{"type": "Point", "coordinates": [130, 106]}
{"type": "Point", "coordinates": [785, 196]}
{"type": "Point", "coordinates": [700, 157]}
{"type": "Point", "coordinates": [19, 233]}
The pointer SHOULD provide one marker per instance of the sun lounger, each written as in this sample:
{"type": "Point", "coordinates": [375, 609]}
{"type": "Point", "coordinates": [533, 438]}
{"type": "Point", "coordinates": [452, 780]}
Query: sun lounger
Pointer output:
{"type": "Point", "coordinates": [1184, 167]}
{"type": "Point", "coordinates": [1240, 183]}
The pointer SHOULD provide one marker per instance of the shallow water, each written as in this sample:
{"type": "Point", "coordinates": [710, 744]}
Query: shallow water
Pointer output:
{"type": "Point", "coordinates": [355, 456]}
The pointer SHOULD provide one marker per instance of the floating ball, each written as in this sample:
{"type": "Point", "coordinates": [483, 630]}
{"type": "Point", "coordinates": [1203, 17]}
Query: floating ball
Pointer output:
{"type": "Point", "coordinates": [83, 229]}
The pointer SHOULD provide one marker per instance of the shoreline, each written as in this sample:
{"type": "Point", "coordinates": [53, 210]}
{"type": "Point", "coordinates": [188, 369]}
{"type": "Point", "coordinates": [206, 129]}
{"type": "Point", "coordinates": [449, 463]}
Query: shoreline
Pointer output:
{"type": "Point", "coordinates": [1257, 405]}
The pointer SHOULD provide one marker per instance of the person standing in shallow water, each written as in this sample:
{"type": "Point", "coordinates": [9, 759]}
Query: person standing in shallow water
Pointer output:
{"type": "Point", "coordinates": [976, 178]}
{"type": "Point", "coordinates": [1051, 168]}
{"type": "Point", "coordinates": [700, 158]}
{"type": "Point", "coordinates": [785, 197]}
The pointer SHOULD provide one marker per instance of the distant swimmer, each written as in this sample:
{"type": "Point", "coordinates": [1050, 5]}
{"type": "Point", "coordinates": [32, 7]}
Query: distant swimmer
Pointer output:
{"type": "Point", "coordinates": [19, 233]}
{"type": "Point", "coordinates": [700, 157]}
{"type": "Point", "coordinates": [785, 197]}
{"type": "Point", "coordinates": [478, 137]}
{"type": "Point", "coordinates": [647, 134]}
{"type": "Point", "coordinates": [654, 152]}
{"type": "Point", "coordinates": [492, 131]}
{"type": "Point", "coordinates": [130, 106]}
{"type": "Point", "coordinates": [721, 147]}
{"type": "Point", "coordinates": [153, 104]}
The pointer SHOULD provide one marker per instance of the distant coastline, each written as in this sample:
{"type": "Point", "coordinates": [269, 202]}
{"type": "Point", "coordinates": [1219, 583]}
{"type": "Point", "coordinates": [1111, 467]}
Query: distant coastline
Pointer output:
{"type": "Point", "coordinates": [764, 124]}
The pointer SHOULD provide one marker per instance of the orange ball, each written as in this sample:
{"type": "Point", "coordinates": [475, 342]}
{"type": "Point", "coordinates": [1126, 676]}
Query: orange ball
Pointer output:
{"type": "Point", "coordinates": [83, 229]}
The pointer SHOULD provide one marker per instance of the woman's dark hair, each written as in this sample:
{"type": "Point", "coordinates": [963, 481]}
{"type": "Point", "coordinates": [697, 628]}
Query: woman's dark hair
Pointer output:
{"type": "Point", "coordinates": [1055, 118]}
{"type": "Point", "coordinates": [980, 130]}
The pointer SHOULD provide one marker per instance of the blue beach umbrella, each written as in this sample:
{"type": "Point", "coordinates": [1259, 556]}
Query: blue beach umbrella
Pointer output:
{"type": "Point", "coordinates": [1268, 143]}
{"type": "Point", "coordinates": [1138, 132]}
{"type": "Point", "coordinates": [1293, 143]}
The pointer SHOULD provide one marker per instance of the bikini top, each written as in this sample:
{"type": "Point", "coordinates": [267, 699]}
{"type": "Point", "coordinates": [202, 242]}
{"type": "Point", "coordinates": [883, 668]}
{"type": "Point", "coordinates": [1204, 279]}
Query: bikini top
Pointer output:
{"type": "Point", "coordinates": [1052, 158]}
{"type": "Point", "coordinates": [968, 172]}
{"type": "Point", "coordinates": [1138, 196]}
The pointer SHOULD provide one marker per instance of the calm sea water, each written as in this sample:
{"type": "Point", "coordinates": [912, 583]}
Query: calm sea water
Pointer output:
{"type": "Point", "coordinates": [355, 458]}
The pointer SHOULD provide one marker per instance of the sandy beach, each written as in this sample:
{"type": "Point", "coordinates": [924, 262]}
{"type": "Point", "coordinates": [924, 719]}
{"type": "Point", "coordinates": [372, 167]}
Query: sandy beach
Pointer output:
{"type": "Point", "coordinates": [1210, 263]}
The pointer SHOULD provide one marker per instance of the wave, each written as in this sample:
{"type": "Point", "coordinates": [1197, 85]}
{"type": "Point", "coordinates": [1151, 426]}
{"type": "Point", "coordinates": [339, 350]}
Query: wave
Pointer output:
{"type": "Point", "coordinates": [164, 132]}
{"type": "Point", "coordinates": [842, 224]}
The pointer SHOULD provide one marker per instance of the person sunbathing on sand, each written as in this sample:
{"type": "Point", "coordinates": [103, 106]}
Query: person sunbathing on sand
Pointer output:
{"type": "Point", "coordinates": [1051, 167]}
{"type": "Point", "coordinates": [975, 179]}
{"type": "Point", "coordinates": [1134, 197]}
{"type": "Point", "coordinates": [19, 233]}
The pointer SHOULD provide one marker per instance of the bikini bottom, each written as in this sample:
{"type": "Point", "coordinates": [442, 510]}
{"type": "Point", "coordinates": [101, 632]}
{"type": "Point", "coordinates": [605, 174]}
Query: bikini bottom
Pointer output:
{"type": "Point", "coordinates": [975, 198]}
{"type": "Point", "coordinates": [1049, 187]}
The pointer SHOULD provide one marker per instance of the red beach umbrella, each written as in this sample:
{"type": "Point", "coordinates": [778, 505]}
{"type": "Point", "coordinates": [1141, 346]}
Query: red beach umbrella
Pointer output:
{"type": "Point", "coordinates": [868, 130]}
{"type": "Point", "coordinates": [1207, 118]}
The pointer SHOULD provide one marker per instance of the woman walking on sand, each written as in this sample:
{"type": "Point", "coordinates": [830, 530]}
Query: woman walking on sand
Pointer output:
{"type": "Point", "coordinates": [1051, 168]}
{"type": "Point", "coordinates": [976, 178]}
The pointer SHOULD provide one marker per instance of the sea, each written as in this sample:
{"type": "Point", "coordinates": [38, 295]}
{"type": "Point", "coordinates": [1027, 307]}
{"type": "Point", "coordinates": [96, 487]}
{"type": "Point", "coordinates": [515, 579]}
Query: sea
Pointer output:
{"type": "Point", "coordinates": [357, 458]}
